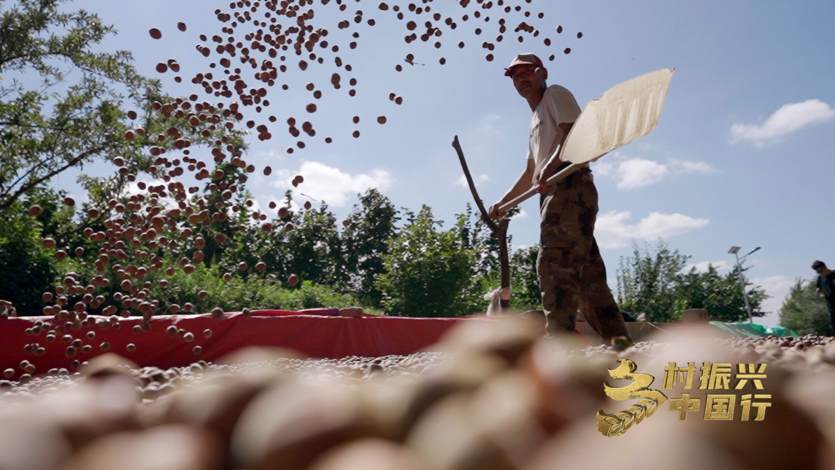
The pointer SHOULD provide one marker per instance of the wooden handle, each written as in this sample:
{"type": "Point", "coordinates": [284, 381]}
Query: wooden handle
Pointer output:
{"type": "Point", "coordinates": [485, 217]}
{"type": "Point", "coordinates": [549, 182]}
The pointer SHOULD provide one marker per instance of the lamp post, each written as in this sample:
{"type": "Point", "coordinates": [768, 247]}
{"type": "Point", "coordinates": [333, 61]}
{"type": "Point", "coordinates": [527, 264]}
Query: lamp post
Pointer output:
{"type": "Point", "coordinates": [734, 251]}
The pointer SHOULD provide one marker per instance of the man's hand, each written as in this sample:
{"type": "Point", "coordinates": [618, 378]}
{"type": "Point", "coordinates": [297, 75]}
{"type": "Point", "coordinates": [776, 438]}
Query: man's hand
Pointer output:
{"type": "Point", "coordinates": [547, 170]}
{"type": "Point", "coordinates": [545, 189]}
{"type": "Point", "coordinates": [818, 291]}
{"type": "Point", "coordinates": [543, 175]}
{"type": "Point", "coordinates": [494, 212]}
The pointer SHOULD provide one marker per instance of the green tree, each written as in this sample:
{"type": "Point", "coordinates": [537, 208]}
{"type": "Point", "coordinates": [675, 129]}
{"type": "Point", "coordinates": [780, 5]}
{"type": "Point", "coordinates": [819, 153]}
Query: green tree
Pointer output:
{"type": "Point", "coordinates": [805, 312]}
{"type": "Point", "coordinates": [85, 118]}
{"type": "Point", "coordinates": [314, 248]}
{"type": "Point", "coordinates": [647, 281]}
{"type": "Point", "coordinates": [76, 113]}
{"type": "Point", "coordinates": [26, 268]}
{"type": "Point", "coordinates": [428, 271]}
{"type": "Point", "coordinates": [721, 296]}
{"type": "Point", "coordinates": [480, 238]}
{"type": "Point", "coordinates": [233, 218]}
{"type": "Point", "coordinates": [525, 283]}
{"type": "Point", "coordinates": [366, 243]}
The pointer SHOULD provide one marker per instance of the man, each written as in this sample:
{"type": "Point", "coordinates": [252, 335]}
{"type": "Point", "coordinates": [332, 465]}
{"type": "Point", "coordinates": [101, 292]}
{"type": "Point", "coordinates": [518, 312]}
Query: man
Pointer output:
{"type": "Point", "coordinates": [570, 270]}
{"type": "Point", "coordinates": [826, 286]}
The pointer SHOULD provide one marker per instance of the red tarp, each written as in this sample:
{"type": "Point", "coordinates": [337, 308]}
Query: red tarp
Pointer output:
{"type": "Point", "coordinates": [316, 333]}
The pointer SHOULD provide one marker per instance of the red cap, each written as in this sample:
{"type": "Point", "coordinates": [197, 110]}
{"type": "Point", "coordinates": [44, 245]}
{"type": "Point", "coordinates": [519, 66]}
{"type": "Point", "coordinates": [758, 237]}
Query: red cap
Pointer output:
{"type": "Point", "coordinates": [525, 58]}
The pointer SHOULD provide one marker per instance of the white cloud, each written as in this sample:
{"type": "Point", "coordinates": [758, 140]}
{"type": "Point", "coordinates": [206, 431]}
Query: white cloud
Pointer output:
{"type": "Point", "coordinates": [133, 189]}
{"type": "Point", "coordinates": [613, 231]}
{"type": "Point", "coordinates": [721, 266]}
{"type": "Point", "coordinates": [271, 154]}
{"type": "Point", "coordinates": [777, 287]}
{"type": "Point", "coordinates": [638, 172]}
{"type": "Point", "coordinates": [273, 213]}
{"type": "Point", "coordinates": [657, 225]}
{"type": "Point", "coordinates": [522, 214]}
{"type": "Point", "coordinates": [480, 141]}
{"type": "Point", "coordinates": [788, 119]}
{"type": "Point", "coordinates": [462, 181]}
{"type": "Point", "coordinates": [332, 184]}
{"type": "Point", "coordinates": [603, 168]}
{"type": "Point", "coordinates": [487, 130]}
{"type": "Point", "coordinates": [755, 263]}
{"type": "Point", "coordinates": [688, 167]}
{"type": "Point", "coordinates": [633, 173]}
{"type": "Point", "coordinates": [774, 283]}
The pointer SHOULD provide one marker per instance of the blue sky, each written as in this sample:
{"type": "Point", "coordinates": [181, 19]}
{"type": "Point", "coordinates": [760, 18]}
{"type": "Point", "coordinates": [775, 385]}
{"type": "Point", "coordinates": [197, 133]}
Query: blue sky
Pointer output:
{"type": "Point", "coordinates": [742, 155]}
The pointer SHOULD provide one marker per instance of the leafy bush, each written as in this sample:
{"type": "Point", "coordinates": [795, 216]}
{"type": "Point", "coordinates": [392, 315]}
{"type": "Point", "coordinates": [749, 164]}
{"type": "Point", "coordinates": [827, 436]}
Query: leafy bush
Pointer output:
{"type": "Point", "coordinates": [721, 296]}
{"type": "Point", "coordinates": [427, 271]}
{"type": "Point", "coordinates": [647, 281]}
{"type": "Point", "coordinates": [523, 279]}
{"type": "Point", "coordinates": [254, 292]}
{"type": "Point", "coordinates": [26, 268]}
{"type": "Point", "coordinates": [805, 312]}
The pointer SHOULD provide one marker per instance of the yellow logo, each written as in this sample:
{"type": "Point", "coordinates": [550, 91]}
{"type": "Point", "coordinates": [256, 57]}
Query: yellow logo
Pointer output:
{"type": "Point", "coordinates": [618, 423]}
{"type": "Point", "coordinates": [714, 376]}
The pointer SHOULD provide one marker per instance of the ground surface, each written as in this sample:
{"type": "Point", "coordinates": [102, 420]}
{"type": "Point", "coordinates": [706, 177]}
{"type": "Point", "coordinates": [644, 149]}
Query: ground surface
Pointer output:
{"type": "Point", "coordinates": [493, 398]}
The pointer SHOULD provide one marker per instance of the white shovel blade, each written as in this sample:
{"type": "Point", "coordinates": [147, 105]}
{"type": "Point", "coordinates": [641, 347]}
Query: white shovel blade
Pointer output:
{"type": "Point", "coordinates": [624, 113]}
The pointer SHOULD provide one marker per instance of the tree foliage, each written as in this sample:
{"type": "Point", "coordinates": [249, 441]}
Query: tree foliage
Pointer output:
{"type": "Point", "coordinates": [652, 282]}
{"type": "Point", "coordinates": [721, 296]}
{"type": "Point", "coordinates": [48, 133]}
{"type": "Point", "coordinates": [526, 293]}
{"type": "Point", "coordinates": [647, 281]}
{"type": "Point", "coordinates": [805, 312]}
{"type": "Point", "coordinates": [366, 244]}
{"type": "Point", "coordinates": [427, 270]}
{"type": "Point", "coordinates": [77, 112]}
{"type": "Point", "coordinates": [26, 268]}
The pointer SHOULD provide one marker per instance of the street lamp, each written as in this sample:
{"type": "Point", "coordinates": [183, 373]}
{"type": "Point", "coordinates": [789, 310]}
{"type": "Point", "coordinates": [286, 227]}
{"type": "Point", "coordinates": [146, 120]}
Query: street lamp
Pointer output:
{"type": "Point", "coordinates": [734, 251]}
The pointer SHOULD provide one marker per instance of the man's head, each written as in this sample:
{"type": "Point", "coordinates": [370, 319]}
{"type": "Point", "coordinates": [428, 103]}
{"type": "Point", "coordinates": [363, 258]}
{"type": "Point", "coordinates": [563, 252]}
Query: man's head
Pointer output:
{"type": "Point", "coordinates": [528, 74]}
{"type": "Point", "coordinates": [819, 267]}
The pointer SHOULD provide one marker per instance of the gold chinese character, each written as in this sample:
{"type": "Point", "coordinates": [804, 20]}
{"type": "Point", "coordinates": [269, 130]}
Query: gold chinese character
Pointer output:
{"type": "Point", "coordinates": [715, 376]}
{"type": "Point", "coordinates": [756, 378]}
{"type": "Point", "coordinates": [684, 405]}
{"type": "Point", "coordinates": [746, 406]}
{"type": "Point", "coordinates": [720, 407]}
{"type": "Point", "coordinates": [674, 375]}
{"type": "Point", "coordinates": [618, 423]}
{"type": "Point", "coordinates": [639, 387]}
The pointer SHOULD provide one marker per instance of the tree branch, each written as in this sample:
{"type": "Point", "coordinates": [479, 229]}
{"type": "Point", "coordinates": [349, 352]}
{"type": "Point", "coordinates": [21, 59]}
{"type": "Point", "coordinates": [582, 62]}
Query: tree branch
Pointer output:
{"type": "Point", "coordinates": [500, 231]}
{"type": "Point", "coordinates": [84, 155]}
{"type": "Point", "coordinates": [81, 226]}
{"type": "Point", "coordinates": [484, 217]}
{"type": "Point", "coordinates": [25, 175]}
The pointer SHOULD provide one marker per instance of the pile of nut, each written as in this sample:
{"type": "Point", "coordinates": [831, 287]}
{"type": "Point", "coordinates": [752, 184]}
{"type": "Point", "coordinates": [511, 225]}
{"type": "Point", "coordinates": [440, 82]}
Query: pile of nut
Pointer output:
{"type": "Point", "coordinates": [490, 395]}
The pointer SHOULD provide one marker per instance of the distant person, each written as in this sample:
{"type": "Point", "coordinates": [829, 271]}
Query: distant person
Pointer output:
{"type": "Point", "coordinates": [826, 286]}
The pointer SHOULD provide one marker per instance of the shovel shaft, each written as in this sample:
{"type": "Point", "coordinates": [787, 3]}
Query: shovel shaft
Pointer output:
{"type": "Point", "coordinates": [549, 182]}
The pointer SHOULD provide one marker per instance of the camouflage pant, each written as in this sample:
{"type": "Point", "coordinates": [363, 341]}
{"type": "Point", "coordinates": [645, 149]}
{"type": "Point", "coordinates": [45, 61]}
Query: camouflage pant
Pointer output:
{"type": "Point", "coordinates": [570, 270]}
